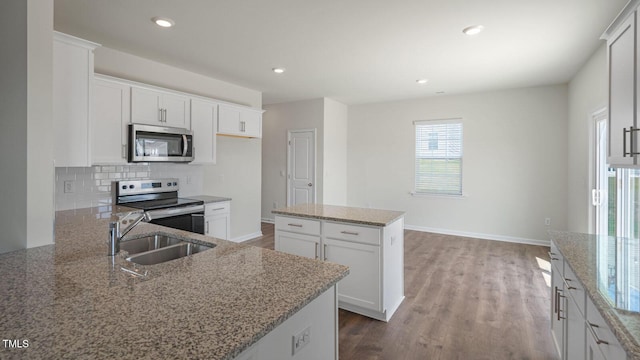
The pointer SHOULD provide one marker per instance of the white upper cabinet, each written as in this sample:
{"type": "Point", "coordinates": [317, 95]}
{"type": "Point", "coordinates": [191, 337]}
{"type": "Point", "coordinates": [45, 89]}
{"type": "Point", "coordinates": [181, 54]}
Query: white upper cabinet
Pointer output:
{"type": "Point", "coordinates": [204, 120]}
{"type": "Point", "coordinates": [622, 41]}
{"type": "Point", "coordinates": [239, 121]}
{"type": "Point", "coordinates": [72, 99]}
{"type": "Point", "coordinates": [111, 114]}
{"type": "Point", "coordinates": [154, 107]}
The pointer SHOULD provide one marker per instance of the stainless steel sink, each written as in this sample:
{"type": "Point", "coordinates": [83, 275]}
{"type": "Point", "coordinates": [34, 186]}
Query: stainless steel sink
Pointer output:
{"type": "Point", "coordinates": [168, 253]}
{"type": "Point", "coordinates": [148, 243]}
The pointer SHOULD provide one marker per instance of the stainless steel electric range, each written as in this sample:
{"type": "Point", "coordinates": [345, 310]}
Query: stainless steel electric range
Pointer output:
{"type": "Point", "coordinates": [159, 199]}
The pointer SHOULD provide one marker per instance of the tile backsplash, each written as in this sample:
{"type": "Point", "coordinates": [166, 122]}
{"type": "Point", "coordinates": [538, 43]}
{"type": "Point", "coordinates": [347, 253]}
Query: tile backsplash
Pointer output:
{"type": "Point", "coordinates": [91, 186]}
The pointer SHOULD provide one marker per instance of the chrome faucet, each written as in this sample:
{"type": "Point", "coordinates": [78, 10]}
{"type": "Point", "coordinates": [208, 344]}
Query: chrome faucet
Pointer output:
{"type": "Point", "coordinates": [115, 235]}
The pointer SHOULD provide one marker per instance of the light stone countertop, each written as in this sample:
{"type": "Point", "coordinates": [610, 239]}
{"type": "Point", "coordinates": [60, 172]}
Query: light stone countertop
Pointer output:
{"type": "Point", "coordinates": [209, 199]}
{"type": "Point", "coordinates": [364, 216]}
{"type": "Point", "coordinates": [579, 251]}
{"type": "Point", "coordinates": [71, 300]}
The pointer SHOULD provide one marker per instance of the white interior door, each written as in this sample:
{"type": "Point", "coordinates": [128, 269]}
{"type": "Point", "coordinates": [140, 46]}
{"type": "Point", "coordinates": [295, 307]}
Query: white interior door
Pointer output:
{"type": "Point", "coordinates": [301, 178]}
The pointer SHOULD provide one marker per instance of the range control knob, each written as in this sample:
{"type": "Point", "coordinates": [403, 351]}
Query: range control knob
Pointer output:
{"type": "Point", "coordinates": [175, 183]}
{"type": "Point", "coordinates": [168, 184]}
{"type": "Point", "coordinates": [124, 187]}
{"type": "Point", "coordinates": [131, 186]}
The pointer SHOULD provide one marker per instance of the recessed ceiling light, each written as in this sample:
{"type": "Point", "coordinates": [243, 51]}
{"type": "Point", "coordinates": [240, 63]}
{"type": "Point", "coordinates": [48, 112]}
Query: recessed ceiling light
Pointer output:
{"type": "Point", "coordinates": [163, 22]}
{"type": "Point", "coordinates": [473, 30]}
{"type": "Point", "coordinates": [439, 92]}
{"type": "Point", "coordinates": [278, 70]}
{"type": "Point", "coordinates": [422, 81]}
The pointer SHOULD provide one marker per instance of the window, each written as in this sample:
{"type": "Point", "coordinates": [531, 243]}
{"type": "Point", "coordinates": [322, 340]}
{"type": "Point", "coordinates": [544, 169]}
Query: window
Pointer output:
{"type": "Point", "coordinates": [439, 157]}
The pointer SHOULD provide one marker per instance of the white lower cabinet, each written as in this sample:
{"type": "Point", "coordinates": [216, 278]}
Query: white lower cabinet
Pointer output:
{"type": "Point", "coordinates": [577, 328]}
{"type": "Point", "coordinates": [362, 286]}
{"type": "Point", "coordinates": [320, 317]}
{"type": "Point", "coordinates": [217, 220]}
{"type": "Point", "coordinates": [374, 255]}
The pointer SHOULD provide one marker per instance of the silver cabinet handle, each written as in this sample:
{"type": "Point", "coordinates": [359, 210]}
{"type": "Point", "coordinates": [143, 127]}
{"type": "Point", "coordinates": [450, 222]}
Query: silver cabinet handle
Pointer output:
{"type": "Point", "coordinates": [207, 231]}
{"type": "Point", "coordinates": [223, 209]}
{"type": "Point", "coordinates": [350, 233]}
{"type": "Point", "coordinates": [555, 300]}
{"type": "Point", "coordinates": [593, 332]}
{"type": "Point", "coordinates": [551, 256]}
{"type": "Point", "coordinates": [165, 115]}
{"type": "Point", "coordinates": [560, 310]}
{"type": "Point", "coordinates": [295, 225]}
{"type": "Point", "coordinates": [316, 248]}
{"type": "Point", "coordinates": [324, 248]}
{"type": "Point", "coordinates": [160, 115]}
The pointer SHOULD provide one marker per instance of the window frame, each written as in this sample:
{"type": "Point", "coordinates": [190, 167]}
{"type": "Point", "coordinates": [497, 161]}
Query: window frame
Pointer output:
{"type": "Point", "coordinates": [416, 124]}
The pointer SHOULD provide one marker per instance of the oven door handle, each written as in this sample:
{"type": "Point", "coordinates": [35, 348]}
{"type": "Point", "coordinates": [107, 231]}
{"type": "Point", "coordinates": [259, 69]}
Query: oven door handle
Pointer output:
{"type": "Point", "coordinates": [165, 213]}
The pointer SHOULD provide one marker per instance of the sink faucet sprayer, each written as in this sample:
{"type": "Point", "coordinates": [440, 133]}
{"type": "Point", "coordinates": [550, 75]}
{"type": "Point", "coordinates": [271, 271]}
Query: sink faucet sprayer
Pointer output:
{"type": "Point", "coordinates": [115, 235]}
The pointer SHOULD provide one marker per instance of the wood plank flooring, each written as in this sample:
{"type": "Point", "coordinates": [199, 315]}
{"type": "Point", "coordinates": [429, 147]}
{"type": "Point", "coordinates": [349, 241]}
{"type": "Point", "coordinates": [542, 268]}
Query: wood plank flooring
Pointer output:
{"type": "Point", "coordinates": [465, 299]}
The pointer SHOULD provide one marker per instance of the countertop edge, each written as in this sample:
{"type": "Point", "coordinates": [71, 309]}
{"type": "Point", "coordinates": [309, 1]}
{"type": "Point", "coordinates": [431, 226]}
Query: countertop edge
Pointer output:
{"type": "Point", "coordinates": [338, 219]}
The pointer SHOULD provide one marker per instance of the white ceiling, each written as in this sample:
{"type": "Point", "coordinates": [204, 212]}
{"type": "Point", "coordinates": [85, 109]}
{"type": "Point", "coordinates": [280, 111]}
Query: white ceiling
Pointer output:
{"type": "Point", "coordinates": [353, 51]}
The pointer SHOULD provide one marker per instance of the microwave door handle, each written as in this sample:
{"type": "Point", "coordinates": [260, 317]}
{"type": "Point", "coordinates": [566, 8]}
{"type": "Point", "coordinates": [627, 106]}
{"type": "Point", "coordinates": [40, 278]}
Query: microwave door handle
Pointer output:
{"type": "Point", "coordinates": [184, 145]}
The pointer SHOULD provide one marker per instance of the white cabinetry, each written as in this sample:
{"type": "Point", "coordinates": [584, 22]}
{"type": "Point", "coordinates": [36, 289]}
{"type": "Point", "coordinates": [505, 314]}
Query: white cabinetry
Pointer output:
{"type": "Point", "coordinates": [320, 316]}
{"type": "Point", "coordinates": [217, 219]}
{"type": "Point", "coordinates": [577, 328]}
{"type": "Point", "coordinates": [111, 114]}
{"type": "Point", "coordinates": [72, 99]}
{"type": "Point", "coordinates": [156, 107]}
{"type": "Point", "coordinates": [622, 50]}
{"type": "Point", "coordinates": [239, 121]}
{"type": "Point", "coordinates": [374, 254]}
{"type": "Point", "coordinates": [204, 120]}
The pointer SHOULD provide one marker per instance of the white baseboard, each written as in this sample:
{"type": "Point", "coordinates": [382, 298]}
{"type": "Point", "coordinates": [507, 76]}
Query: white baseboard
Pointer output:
{"type": "Point", "coordinates": [247, 237]}
{"type": "Point", "coordinates": [512, 239]}
{"type": "Point", "coordinates": [269, 221]}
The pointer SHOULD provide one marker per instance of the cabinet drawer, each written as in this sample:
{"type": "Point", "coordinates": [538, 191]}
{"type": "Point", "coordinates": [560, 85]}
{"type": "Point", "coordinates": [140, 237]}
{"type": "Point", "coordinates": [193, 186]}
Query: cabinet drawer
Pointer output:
{"type": "Point", "coordinates": [361, 234]}
{"type": "Point", "coordinates": [302, 226]}
{"type": "Point", "coordinates": [556, 259]}
{"type": "Point", "coordinates": [574, 289]}
{"type": "Point", "coordinates": [217, 208]}
{"type": "Point", "coordinates": [598, 330]}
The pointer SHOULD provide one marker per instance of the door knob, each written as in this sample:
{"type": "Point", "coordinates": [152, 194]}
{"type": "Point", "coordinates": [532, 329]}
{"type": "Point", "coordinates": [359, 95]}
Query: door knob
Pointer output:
{"type": "Point", "coordinates": [310, 184]}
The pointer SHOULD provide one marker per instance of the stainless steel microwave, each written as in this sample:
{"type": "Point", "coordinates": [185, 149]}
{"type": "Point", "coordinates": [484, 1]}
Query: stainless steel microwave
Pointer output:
{"type": "Point", "coordinates": [149, 143]}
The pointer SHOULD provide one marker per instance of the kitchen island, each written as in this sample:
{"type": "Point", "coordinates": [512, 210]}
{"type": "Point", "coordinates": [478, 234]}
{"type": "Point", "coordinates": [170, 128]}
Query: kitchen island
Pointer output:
{"type": "Point", "coordinates": [369, 241]}
{"type": "Point", "coordinates": [71, 300]}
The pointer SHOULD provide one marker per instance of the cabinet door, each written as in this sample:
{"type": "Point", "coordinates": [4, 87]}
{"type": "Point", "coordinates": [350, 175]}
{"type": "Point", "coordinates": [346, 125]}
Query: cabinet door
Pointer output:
{"type": "Point", "coordinates": [557, 305]}
{"type": "Point", "coordinates": [176, 108]}
{"type": "Point", "coordinates": [298, 244]}
{"type": "Point", "coordinates": [203, 123]}
{"type": "Point", "coordinates": [622, 93]}
{"type": "Point", "coordinates": [72, 76]}
{"type": "Point", "coordinates": [217, 226]}
{"type": "Point", "coordinates": [110, 119]}
{"type": "Point", "coordinates": [146, 106]}
{"type": "Point", "coordinates": [593, 351]}
{"type": "Point", "coordinates": [229, 120]}
{"type": "Point", "coordinates": [362, 286]}
{"type": "Point", "coordinates": [251, 123]}
{"type": "Point", "coordinates": [575, 335]}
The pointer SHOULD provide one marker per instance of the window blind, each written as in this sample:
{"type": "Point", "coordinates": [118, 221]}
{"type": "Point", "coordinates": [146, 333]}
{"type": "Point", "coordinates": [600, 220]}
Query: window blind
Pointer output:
{"type": "Point", "coordinates": [438, 157]}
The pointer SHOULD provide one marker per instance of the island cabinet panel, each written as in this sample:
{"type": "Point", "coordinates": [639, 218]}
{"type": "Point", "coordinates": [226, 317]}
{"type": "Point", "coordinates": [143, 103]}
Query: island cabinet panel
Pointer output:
{"type": "Point", "coordinates": [362, 286]}
{"type": "Point", "coordinates": [374, 254]}
{"type": "Point", "coordinates": [599, 333]}
{"type": "Point", "coordinates": [217, 220]}
{"type": "Point", "coordinates": [318, 319]}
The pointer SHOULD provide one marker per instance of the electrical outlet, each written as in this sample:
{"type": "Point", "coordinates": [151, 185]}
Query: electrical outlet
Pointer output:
{"type": "Point", "coordinates": [302, 339]}
{"type": "Point", "coordinates": [547, 221]}
{"type": "Point", "coordinates": [69, 186]}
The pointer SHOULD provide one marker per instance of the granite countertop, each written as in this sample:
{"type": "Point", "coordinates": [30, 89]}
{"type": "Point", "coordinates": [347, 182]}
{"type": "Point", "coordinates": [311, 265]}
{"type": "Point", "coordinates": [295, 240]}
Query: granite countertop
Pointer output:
{"type": "Point", "coordinates": [209, 199]}
{"type": "Point", "coordinates": [71, 300]}
{"type": "Point", "coordinates": [374, 217]}
{"type": "Point", "coordinates": [580, 252]}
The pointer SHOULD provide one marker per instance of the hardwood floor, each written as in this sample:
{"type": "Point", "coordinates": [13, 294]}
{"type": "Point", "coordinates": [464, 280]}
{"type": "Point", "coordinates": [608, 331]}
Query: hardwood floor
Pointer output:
{"type": "Point", "coordinates": [465, 299]}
